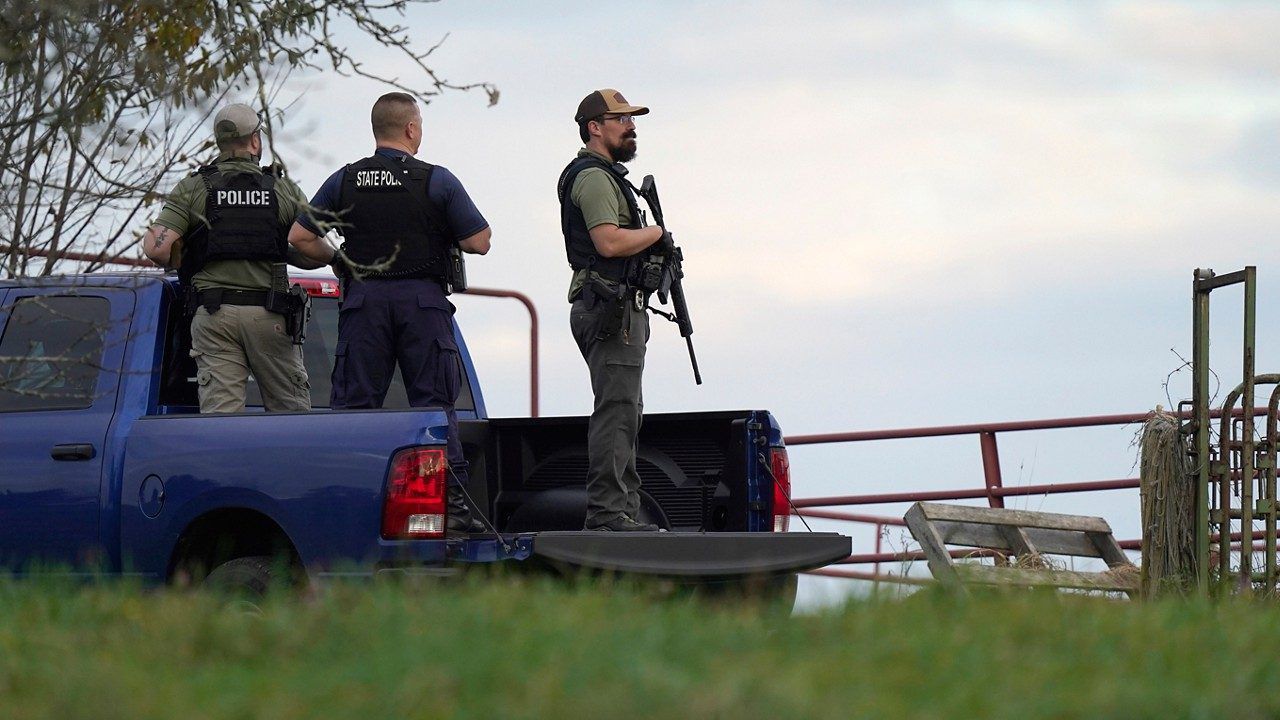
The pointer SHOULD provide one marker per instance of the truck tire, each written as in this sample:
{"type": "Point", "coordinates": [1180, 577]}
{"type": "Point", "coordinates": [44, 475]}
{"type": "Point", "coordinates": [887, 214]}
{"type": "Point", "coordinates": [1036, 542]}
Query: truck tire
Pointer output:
{"type": "Point", "coordinates": [779, 591]}
{"type": "Point", "coordinates": [249, 578]}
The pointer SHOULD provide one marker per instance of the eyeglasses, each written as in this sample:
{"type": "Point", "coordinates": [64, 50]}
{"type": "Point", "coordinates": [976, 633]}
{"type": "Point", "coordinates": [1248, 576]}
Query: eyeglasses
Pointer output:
{"type": "Point", "coordinates": [622, 119]}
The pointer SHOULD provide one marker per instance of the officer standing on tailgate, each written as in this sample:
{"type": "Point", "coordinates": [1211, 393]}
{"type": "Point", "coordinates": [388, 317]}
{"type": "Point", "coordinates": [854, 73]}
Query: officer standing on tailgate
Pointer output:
{"type": "Point", "coordinates": [399, 217]}
{"type": "Point", "coordinates": [224, 227]}
{"type": "Point", "coordinates": [603, 231]}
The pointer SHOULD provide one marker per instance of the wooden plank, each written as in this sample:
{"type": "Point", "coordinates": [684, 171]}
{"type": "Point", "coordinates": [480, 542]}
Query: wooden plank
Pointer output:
{"type": "Point", "coordinates": [1062, 542]}
{"type": "Point", "coordinates": [1020, 518]}
{"type": "Point", "coordinates": [935, 550]}
{"type": "Point", "coordinates": [1047, 542]}
{"type": "Point", "coordinates": [1109, 550]}
{"type": "Point", "coordinates": [971, 535]}
{"type": "Point", "coordinates": [1017, 577]}
{"type": "Point", "coordinates": [1018, 540]}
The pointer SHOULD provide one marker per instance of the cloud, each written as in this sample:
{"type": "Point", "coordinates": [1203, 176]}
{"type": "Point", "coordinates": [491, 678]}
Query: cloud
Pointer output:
{"type": "Point", "coordinates": [1053, 142]}
{"type": "Point", "coordinates": [868, 156]}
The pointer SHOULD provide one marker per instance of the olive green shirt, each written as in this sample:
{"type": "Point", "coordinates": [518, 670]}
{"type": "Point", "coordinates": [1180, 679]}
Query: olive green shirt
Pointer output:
{"type": "Point", "coordinates": [185, 206]}
{"type": "Point", "coordinates": [601, 201]}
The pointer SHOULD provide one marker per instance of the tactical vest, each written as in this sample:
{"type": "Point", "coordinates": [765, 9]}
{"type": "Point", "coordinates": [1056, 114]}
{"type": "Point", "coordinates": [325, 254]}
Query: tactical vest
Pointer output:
{"type": "Point", "coordinates": [241, 221]}
{"type": "Point", "coordinates": [388, 217]}
{"type": "Point", "coordinates": [577, 240]}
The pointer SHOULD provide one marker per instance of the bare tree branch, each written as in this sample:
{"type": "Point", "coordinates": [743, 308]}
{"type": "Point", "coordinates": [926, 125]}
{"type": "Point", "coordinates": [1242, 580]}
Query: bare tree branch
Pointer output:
{"type": "Point", "coordinates": [105, 103]}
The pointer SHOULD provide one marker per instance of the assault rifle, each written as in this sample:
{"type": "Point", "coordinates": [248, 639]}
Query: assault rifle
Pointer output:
{"type": "Point", "coordinates": [672, 271]}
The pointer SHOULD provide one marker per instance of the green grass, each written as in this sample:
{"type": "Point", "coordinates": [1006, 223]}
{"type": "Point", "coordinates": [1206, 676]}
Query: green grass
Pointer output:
{"type": "Point", "coordinates": [516, 648]}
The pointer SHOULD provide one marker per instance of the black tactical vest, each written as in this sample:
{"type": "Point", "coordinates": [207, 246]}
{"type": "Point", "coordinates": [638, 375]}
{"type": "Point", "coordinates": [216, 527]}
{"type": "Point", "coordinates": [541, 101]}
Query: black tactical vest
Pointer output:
{"type": "Point", "coordinates": [241, 221]}
{"type": "Point", "coordinates": [577, 240]}
{"type": "Point", "coordinates": [388, 216]}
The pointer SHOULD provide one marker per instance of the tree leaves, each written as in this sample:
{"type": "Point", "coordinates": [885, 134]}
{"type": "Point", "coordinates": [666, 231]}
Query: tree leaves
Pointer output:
{"type": "Point", "coordinates": [103, 103]}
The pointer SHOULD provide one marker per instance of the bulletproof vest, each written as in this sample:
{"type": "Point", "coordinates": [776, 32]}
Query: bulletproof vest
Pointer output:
{"type": "Point", "coordinates": [241, 221]}
{"type": "Point", "coordinates": [388, 216]}
{"type": "Point", "coordinates": [577, 241]}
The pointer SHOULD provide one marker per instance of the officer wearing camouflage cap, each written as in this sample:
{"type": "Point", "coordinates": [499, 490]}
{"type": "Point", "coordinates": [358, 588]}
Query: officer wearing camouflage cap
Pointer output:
{"type": "Point", "coordinates": [224, 227]}
{"type": "Point", "coordinates": [603, 230]}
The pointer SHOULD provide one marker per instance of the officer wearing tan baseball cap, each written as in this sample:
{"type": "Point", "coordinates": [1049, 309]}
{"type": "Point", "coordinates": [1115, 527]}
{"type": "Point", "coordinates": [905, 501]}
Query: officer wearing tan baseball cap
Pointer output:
{"type": "Point", "coordinates": [235, 121]}
{"type": "Point", "coordinates": [606, 102]}
{"type": "Point", "coordinates": [603, 230]}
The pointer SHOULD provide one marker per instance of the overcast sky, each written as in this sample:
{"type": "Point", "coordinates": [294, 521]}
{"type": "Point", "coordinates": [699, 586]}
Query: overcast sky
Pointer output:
{"type": "Point", "coordinates": [893, 214]}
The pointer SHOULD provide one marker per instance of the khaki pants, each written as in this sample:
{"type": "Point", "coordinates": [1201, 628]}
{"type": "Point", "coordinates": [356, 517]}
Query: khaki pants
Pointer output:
{"type": "Point", "coordinates": [240, 339]}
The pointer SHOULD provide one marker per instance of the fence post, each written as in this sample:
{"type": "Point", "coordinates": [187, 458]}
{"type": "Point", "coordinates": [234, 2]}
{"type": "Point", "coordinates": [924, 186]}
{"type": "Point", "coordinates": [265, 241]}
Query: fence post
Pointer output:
{"type": "Point", "coordinates": [879, 535]}
{"type": "Point", "coordinates": [991, 467]}
{"type": "Point", "coordinates": [533, 336]}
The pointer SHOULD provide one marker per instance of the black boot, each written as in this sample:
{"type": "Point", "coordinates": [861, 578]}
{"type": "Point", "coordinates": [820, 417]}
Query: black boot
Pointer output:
{"type": "Point", "coordinates": [460, 518]}
{"type": "Point", "coordinates": [622, 523]}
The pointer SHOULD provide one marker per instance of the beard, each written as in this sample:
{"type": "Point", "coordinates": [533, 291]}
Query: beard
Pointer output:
{"type": "Point", "coordinates": [625, 152]}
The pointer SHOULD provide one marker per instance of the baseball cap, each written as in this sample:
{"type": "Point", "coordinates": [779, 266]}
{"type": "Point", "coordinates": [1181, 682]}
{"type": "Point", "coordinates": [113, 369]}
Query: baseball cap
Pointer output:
{"type": "Point", "coordinates": [606, 102]}
{"type": "Point", "coordinates": [235, 121]}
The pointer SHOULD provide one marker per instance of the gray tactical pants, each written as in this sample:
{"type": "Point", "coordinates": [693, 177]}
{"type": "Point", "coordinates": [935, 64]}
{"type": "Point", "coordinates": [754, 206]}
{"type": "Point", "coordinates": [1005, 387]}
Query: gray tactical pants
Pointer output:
{"type": "Point", "coordinates": [237, 340]}
{"type": "Point", "coordinates": [616, 364]}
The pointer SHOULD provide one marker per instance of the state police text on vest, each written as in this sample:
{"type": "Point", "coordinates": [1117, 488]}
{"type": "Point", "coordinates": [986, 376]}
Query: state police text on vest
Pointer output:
{"type": "Point", "coordinates": [375, 178]}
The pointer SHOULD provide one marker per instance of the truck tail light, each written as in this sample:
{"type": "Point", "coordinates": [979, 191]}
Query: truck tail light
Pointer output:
{"type": "Point", "coordinates": [319, 287]}
{"type": "Point", "coordinates": [415, 504]}
{"type": "Point", "coordinates": [781, 469]}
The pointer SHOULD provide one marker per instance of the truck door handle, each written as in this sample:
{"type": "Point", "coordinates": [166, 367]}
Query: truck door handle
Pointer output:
{"type": "Point", "coordinates": [74, 451]}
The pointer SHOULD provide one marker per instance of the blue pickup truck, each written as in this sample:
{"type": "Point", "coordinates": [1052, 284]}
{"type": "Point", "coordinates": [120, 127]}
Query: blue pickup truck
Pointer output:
{"type": "Point", "coordinates": [105, 464]}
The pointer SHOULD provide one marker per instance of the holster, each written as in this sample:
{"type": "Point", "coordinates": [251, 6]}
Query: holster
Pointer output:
{"type": "Point", "coordinates": [210, 300]}
{"type": "Point", "coordinates": [295, 306]}
{"type": "Point", "coordinates": [455, 272]}
{"type": "Point", "coordinates": [280, 303]}
{"type": "Point", "coordinates": [614, 304]}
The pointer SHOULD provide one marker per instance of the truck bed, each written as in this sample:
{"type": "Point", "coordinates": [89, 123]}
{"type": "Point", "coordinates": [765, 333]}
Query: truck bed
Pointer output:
{"type": "Point", "coordinates": [696, 470]}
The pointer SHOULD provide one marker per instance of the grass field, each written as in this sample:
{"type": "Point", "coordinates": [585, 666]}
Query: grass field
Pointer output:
{"type": "Point", "coordinates": [515, 648]}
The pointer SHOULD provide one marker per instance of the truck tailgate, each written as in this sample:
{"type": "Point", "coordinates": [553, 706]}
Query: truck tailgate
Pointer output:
{"type": "Point", "coordinates": [686, 554]}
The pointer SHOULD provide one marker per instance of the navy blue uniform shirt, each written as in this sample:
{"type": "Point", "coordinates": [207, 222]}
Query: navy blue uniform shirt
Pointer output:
{"type": "Point", "coordinates": [445, 190]}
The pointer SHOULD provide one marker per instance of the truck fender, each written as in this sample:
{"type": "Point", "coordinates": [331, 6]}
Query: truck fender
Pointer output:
{"type": "Point", "coordinates": [223, 524]}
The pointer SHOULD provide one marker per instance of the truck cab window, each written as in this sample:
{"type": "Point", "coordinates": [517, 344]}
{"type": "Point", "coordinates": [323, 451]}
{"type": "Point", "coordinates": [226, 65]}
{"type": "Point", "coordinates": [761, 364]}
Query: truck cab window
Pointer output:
{"type": "Point", "coordinates": [51, 352]}
{"type": "Point", "coordinates": [317, 355]}
{"type": "Point", "coordinates": [178, 387]}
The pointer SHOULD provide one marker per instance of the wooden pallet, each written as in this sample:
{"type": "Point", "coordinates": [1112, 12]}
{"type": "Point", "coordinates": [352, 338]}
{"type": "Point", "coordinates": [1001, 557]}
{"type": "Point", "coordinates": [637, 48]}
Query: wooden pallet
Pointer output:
{"type": "Point", "coordinates": [1022, 533]}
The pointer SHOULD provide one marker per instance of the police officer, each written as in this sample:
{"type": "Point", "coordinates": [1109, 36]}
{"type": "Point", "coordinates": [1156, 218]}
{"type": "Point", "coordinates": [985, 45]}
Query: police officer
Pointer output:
{"type": "Point", "coordinates": [224, 228]}
{"type": "Point", "coordinates": [399, 217]}
{"type": "Point", "coordinates": [603, 230]}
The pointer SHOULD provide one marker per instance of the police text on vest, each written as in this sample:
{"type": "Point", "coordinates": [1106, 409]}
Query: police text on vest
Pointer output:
{"type": "Point", "coordinates": [244, 197]}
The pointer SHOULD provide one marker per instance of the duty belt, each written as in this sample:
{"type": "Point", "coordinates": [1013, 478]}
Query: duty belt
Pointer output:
{"type": "Point", "coordinates": [214, 298]}
{"type": "Point", "coordinates": [225, 296]}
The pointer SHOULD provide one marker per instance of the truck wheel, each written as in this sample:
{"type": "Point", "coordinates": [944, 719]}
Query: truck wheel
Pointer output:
{"type": "Point", "coordinates": [249, 579]}
{"type": "Point", "coordinates": [779, 592]}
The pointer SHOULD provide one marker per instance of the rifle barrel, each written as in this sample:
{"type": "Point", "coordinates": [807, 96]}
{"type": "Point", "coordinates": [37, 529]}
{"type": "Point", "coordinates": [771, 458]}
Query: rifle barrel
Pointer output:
{"type": "Point", "coordinates": [693, 360]}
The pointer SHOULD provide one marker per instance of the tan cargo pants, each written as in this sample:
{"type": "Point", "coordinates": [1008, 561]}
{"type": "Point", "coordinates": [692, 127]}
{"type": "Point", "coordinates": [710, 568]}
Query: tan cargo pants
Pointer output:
{"type": "Point", "coordinates": [241, 339]}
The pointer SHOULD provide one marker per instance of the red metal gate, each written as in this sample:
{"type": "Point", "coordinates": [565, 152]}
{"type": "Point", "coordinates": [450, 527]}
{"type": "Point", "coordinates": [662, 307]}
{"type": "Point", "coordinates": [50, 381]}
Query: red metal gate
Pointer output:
{"type": "Point", "coordinates": [992, 489]}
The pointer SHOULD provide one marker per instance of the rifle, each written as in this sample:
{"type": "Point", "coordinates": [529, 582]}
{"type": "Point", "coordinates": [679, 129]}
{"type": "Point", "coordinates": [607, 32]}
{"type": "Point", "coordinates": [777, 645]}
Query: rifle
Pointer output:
{"type": "Point", "coordinates": [672, 273]}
